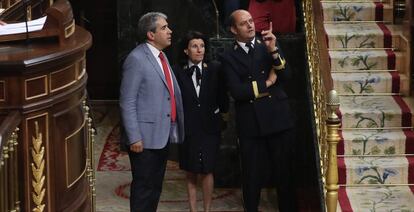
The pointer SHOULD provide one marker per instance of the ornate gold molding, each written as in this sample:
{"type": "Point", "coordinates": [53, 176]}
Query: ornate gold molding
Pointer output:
{"type": "Point", "coordinates": [318, 89]}
{"type": "Point", "coordinates": [327, 123]}
{"type": "Point", "coordinates": [38, 168]}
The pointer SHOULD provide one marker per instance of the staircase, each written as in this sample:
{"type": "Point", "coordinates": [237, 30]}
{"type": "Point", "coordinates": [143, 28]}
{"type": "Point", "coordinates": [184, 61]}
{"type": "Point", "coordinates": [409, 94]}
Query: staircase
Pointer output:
{"type": "Point", "coordinates": [369, 60]}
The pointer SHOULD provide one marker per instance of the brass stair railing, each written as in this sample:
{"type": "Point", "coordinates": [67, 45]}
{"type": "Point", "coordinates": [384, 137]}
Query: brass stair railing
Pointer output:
{"type": "Point", "coordinates": [90, 156]}
{"type": "Point", "coordinates": [324, 99]}
{"type": "Point", "coordinates": [9, 176]}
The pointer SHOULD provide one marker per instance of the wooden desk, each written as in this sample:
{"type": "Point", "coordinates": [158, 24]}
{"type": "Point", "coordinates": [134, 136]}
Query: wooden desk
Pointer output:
{"type": "Point", "coordinates": [46, 82]}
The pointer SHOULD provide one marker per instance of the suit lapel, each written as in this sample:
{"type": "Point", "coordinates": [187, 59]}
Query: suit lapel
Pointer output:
{"type": "Point", "coordinates": [156, 66]}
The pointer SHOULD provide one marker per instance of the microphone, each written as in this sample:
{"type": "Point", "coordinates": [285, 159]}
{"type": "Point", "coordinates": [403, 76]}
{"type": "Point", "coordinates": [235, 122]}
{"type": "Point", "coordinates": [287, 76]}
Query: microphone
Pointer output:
{"type": "Point", "coordinates": [26, 20]}
{"type": "Point", "coordinates": [217, 18]}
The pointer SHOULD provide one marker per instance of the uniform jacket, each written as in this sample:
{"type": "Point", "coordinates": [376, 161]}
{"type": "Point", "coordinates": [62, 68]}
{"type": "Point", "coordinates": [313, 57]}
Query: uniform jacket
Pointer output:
{"type": "Point", "coordinates": [212, 99]}
{"type": "Point", "coordinates": [259, 110]}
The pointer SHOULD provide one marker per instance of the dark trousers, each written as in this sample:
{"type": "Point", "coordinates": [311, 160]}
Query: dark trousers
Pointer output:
{"type": "Point", "coordinates": [279, 149]}
{"type": "Point", "coordinates": [148, 169]}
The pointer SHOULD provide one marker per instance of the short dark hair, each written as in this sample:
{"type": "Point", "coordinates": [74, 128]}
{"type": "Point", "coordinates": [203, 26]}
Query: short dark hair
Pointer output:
{"type": "Point", "coordinates": [147, 23]}
{"type": "Point", "coordinates": [186, 40]}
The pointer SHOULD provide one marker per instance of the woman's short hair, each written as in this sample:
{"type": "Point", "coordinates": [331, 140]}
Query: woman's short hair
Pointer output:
{"type": "Point", "coordinates": [186, 40]}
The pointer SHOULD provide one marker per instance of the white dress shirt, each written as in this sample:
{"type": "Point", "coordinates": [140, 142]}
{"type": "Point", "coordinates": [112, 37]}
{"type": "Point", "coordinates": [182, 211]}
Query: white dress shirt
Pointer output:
{"type": "Point", "coordinates": [193, 77]}
{"type": "Point", "coordinates": [156, 54]}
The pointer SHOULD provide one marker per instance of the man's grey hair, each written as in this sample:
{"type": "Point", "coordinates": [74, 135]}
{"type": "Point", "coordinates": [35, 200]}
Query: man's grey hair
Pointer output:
{"type": "Point", "coordinates": [147, 23]}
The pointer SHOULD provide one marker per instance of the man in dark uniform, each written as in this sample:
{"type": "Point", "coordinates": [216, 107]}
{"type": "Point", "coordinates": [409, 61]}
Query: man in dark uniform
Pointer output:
{"type": "Point", "coordinates": [256, 71]}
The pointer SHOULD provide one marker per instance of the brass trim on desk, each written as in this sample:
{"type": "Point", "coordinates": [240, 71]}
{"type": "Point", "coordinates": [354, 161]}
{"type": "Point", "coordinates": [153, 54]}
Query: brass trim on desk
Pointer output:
{"type": "Point", "coordinates": [69, 30]}
{"type": "Point", "coordinates": [39, 95]}
{"type": "Point", "coordinates": [65, 85]}
{"type": "Point", "coordinates": [68, 185]}
{"type": "Point", "coordinates": [82, 68]}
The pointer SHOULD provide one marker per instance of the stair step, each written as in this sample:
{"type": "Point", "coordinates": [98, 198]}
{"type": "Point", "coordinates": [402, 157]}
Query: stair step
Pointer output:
{"type": "Point", "coordinates": [359, 60]}
{"type": "Point", "coordinates": [359, 35]}
{"type": "Point", "coordinates": [376, 170]}
{"type": "Point", "coordinates": [376, 142]}
{"type": "Point", "coordinates": [374, 112]}
{"type": "Point", "coordinates": [369, 82]}
{"type": "Point", "coordinates": [384, 199]}
{"type": "Point", "coordinates": [357, 11]}
{"type": "Point", "coordinates": [356, 1]}
{"type": "Point", "coordinates": [364, 71]}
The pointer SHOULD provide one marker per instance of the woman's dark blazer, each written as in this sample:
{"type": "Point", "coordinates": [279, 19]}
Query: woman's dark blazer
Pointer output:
{"type": "Point", "coordinates": [212, 98]}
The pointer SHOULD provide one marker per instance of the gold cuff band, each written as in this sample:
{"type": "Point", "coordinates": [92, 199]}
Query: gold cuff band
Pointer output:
{"type": "Point", "coordinates": [282, 64]}
{"type": "Point", "coordinates": [255, 89]}
{"type": "Point", "coordinates": [263, 95]}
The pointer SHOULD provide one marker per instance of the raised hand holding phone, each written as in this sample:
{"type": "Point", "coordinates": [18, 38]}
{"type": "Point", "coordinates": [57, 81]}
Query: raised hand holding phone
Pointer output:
{"type": "Point", "coordinates": [269, 38]}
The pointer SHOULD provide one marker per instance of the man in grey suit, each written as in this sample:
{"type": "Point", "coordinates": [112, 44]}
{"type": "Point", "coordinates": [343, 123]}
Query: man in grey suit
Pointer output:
{"type": "Point", "coordinates": [151, 110]}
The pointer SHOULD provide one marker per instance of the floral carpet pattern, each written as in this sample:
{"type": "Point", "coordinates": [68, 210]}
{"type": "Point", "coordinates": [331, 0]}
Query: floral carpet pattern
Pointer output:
{"type": "Point", "coordinates": [375, 154]}
{"type": "Point", "coordinates": [113, 175]}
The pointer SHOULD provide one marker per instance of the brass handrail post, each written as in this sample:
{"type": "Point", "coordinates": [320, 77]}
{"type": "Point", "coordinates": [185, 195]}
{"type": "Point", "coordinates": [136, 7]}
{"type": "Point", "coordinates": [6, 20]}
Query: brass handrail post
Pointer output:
{"type": "Point", "coordinates": [93, 179]}
{"type": "Point", "coordinates": [332, 123]}
{"type": "Point", "coordinates": [14, 139]}
{"type": "Point", "coordinates": [12, 176]}
{"type": "Point", "coordinates": [2, 191]}
{"type": "Point", "coordinates": [90, 133]}
{"type": "Point", "coordinates": [6, 176]}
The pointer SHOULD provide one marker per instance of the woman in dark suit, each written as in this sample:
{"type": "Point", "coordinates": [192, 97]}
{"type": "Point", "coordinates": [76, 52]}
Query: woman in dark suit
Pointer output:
{"type": "Point", "coordinates": [204, 100]}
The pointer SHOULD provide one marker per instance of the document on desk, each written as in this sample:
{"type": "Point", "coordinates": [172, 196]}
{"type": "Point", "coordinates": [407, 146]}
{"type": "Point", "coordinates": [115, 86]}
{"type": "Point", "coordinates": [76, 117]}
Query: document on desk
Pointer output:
{"type": "Point", "coordinates": [16, 28]}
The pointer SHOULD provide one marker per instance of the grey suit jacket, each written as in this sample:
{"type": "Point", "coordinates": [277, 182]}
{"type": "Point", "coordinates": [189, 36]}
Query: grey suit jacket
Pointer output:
{"type": "Point", "coordinates": [145, 101]}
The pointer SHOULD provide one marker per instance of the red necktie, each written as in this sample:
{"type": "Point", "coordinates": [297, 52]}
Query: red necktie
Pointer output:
{"type": "Point", "coordinates": [170, 86]}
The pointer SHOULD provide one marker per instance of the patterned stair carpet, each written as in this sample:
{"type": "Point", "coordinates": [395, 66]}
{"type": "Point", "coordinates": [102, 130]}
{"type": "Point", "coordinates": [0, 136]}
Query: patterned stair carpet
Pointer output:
{"type": "Point", "coordinates": [375, 154]}
{"type": "Point", "coordinates": [113, 176]}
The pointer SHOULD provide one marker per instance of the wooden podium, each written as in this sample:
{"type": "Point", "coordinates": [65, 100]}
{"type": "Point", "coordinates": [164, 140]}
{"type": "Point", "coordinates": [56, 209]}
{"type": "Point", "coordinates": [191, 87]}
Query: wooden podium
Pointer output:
{"type": "Point", "coordinates": [59, 23]}
{"type": "Point", "coordinates": [45, 81]}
